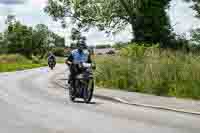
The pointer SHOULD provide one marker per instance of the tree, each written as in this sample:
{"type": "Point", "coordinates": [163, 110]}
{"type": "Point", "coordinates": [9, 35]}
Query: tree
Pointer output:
{"type": "Point", "coordinates": [1, 43]}
{"type": "Point", "coordinates": [41, 36]}
{"type": "Point", "coordinates": [152, 24]}
{"type": "Point", "coordinates": [195, 40]}
{"type": "Point", "coordinates": [19, 39]}
{"type": "Point", "coordinates": [196, 6]}
{"type": "Point", "coordinates": [195, 33]}
{"type": "Point", "coordinates": [58, 40]}
{"type": "Point", "coordinates": [148, 18]}
{"type": "Point", "coordinates": [195, 36]}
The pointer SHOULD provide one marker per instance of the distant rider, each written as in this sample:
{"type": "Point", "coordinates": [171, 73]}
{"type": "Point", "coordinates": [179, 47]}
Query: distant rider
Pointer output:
{"type": "Point", "coordinates": [51, 56]}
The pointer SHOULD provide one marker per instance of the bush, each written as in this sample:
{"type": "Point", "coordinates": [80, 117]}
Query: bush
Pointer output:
{"type": "Point", "coordinates": [36, 60]}
{"type": "Point", "coordinates": [59, 52]}
{"type": "Point", "coordinates": [13, 58]}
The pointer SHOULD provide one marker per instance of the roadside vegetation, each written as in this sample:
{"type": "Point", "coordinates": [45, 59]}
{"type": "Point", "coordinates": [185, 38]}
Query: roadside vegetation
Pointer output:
{"type": "Point", "coordinates": [18, 62]}
{"type": "Point", "coordinates": [152, 70]}
{"type": "Point", "coordinates": [23, 47]}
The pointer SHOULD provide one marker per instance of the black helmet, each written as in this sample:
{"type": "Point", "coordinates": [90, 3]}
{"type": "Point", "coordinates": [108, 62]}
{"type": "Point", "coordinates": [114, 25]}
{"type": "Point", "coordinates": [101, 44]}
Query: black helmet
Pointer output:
{"type": "Point", "coordinates": [81, 46]}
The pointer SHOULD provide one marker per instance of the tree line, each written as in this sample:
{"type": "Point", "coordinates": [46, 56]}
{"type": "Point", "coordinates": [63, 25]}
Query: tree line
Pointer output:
{"type": "Point", "coordinates": [26, 40]}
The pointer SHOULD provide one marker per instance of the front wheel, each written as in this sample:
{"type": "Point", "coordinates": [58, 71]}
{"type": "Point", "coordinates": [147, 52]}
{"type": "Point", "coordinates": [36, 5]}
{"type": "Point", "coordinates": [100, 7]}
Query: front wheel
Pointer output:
{"type": "Point", "coordinates": [88, 91]}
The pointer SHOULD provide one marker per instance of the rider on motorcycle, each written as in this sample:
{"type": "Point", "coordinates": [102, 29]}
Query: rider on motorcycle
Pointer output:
{"type": "Point", "coordinates": [77, 56]}
{"type": "Point", "coordinates": [51, 56]}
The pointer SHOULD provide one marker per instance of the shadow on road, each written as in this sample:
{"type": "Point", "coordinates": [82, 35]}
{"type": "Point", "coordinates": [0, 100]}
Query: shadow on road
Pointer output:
{"type": "Point", "coordinates": [90, 103]}
{"type": "Point", "coordinates": [79, 101]}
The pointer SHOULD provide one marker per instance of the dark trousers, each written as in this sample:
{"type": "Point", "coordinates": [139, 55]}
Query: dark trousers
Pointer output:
{"type": "Point", "coordinates": [74, 70]}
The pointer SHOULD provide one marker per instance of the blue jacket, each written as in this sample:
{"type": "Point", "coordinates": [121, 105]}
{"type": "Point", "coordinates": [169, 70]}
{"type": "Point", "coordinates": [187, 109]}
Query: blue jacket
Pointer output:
{"type": "Point", "coordinates": [78, 57]}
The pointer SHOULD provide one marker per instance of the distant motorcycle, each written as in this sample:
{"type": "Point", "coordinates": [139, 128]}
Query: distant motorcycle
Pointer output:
{"type": "Point", "coordinates": [82, 86]}
{"type": "Point", "coordinates": [52, 63]}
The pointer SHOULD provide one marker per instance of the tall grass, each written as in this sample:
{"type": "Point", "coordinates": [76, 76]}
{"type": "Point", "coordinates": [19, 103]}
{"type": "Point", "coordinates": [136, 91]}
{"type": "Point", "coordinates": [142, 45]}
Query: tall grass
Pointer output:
{"type": "Point", "coordinates": [151, 70]}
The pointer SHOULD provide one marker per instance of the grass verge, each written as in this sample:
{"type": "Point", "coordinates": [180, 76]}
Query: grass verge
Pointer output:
{"type": "Point", "coordinates": [16, 62]}
{"type": "Point", "coordinates": [151, 70]}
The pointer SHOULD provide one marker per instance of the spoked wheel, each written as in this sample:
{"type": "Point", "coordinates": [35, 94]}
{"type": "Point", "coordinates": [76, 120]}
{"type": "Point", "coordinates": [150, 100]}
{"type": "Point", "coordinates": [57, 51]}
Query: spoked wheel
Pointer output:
{"type": "Point", "coordinates": [88, 91]}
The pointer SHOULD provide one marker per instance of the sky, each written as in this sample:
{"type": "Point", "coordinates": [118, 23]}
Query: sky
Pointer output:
{"type": "Point", "coordinates": [30, 12]}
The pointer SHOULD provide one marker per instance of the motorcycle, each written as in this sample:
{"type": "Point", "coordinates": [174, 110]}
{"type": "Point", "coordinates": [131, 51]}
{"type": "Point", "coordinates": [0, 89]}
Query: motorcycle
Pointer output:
{"type": "Point", "coordinates": [82, 86]}
{"type": "Point", "coordinates": [51, 63]}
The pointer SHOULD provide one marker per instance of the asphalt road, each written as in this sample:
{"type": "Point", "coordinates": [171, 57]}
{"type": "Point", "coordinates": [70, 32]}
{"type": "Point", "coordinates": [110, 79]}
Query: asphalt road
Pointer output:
{"type": "Point", "coordinates": [29, 103]}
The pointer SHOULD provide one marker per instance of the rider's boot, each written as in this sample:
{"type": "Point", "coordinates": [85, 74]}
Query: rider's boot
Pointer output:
{"type": "Point", "coordinates": [69, 78]}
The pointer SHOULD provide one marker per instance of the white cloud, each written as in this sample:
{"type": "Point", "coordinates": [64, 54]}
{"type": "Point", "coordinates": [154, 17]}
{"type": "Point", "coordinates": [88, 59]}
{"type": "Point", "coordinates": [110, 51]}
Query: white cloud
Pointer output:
{"type": "Point", "coordinates": [38, 3]}
{"type": "Point", "coordinates": [30, 13]}
{"type": "Point", "coordinates": [96, 37]}
{"type": "Point", "coordinates": [2, 23]}
{"type": "Point", "coordinates": [12, 2]}
{"type": "Point", "coordinates": [182, 16]}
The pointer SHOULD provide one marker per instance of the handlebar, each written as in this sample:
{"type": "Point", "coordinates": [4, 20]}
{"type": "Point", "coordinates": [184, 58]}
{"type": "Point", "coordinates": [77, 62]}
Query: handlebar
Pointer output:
{"type": "Point", "coordinates": [84, 65]}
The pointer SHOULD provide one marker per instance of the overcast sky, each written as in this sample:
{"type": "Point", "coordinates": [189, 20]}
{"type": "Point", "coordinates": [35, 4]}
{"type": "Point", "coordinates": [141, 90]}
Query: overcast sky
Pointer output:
{"type": "Point", "coordinates": [30, 12]}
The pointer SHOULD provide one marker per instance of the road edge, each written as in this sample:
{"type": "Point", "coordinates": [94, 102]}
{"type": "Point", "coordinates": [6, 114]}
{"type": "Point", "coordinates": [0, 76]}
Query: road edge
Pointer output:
{"type": "Point", "coordinates": [122, 101]}
{"type": "Point", "coordinates": [119, 100]}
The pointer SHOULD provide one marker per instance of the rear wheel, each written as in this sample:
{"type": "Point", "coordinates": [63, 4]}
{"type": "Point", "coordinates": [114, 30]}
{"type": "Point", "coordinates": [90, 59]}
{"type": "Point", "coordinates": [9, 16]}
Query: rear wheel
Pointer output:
{"type": "Point", "coordinates": [72, 93]}
{"type": "Point", "coordinates": [71, 96]}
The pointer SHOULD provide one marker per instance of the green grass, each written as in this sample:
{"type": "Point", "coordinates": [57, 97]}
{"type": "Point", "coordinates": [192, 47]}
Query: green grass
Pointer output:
{"type": "Point", "coordinates": [15, 62]}
{"type": "Point", "coordinates": [60, 60]}
{"type": "Point", "coordinates": [152, 71]}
